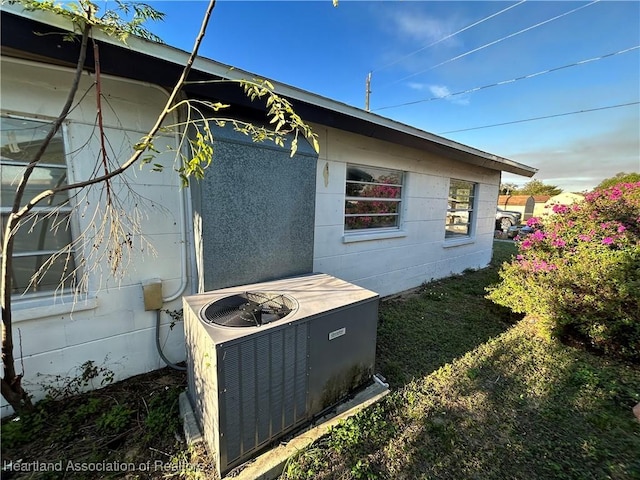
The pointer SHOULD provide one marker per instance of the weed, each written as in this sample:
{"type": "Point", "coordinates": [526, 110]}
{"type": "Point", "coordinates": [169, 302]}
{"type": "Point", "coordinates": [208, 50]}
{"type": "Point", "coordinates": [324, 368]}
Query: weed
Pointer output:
{"type": "Point", "coordinates": [23, 429]}
{"type": "Point", "coordinates": [345, 436]}
{"type": "Point", "coordinates": [472, 373]}
{"type": "Point", "coordinates": [115, 420]}
{"type": "Point", "coordinates": [307, 464]}
{"type": "Point", "coordinates": [67, 430]}
{"type": "Point", "coordinates": [105, 425]}
{"type": "Point", "coordinates": [176, 316]}
{"type": "Point", "coordinates": [190, 464]}
{"type": "Point", "coordinates": [85, 410]}
{"type": "Point", "coordinates": [69, 386]}
{"type": "Point", "coordinates": [354, 435]}
{"type": "Point", "coordinates": [362, 470]}
{"type": "Point", "coordinates": [163, 415]}
{"type": "Point", "coordinates": [435, 296]}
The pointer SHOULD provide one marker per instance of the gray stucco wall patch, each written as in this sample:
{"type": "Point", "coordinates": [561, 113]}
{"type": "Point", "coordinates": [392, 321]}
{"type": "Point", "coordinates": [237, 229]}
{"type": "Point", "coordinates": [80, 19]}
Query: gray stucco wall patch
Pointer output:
{"type": "Point", "coordinates": [257, 206]}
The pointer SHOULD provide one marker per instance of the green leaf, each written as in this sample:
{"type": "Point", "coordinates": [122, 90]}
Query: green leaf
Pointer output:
{"type": "Point", "coordinates": [184, 180]}
{"type": "Point", "coordinates": [145, 160]}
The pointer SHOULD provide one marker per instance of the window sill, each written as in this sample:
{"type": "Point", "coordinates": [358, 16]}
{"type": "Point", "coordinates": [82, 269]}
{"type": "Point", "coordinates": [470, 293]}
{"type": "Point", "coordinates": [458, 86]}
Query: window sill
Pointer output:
{"type": "Point", "coordinates": [456, 242]}
{"type": "Point", "coordinates": [41, 307]}
{"type": "Point", "coordinates": [376, 235]}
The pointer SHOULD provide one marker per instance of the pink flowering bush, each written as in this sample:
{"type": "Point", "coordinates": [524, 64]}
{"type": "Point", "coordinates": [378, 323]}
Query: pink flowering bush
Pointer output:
{"type": "Point", "coordinates": [578, 274]}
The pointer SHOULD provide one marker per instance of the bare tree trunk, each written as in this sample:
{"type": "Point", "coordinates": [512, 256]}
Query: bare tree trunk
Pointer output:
{"type": "Point", "coordinates": [11, 385]}
{"type": "Point", "coordinates": [11, 388]}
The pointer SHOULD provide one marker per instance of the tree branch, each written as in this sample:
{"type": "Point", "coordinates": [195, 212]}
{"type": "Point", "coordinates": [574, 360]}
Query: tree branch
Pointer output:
{"type": "Point", "coordinates": [152, 132]}
{"type": "Point", "coordinates": [103, 148]}
{"type": "Point", "coordinates": [11, 385]}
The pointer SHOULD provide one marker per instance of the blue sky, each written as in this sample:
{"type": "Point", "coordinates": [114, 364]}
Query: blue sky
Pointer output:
{"type": "Point", "coordinates": [411, 48]}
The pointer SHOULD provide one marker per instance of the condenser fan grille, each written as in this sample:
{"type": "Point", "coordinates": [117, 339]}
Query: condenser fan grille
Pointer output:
{"type": "Point", "coordinates": [249, 309]}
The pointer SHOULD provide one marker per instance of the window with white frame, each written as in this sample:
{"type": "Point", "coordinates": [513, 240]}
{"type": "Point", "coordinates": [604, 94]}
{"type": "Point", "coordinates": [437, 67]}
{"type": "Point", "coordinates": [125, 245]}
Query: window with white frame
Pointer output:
{"type": "Point", "coordinates": [460, 211]}
{"type": "Point", "coordinates": [373, 197]}
{"type": "Point", "coordinates": [46, 229]}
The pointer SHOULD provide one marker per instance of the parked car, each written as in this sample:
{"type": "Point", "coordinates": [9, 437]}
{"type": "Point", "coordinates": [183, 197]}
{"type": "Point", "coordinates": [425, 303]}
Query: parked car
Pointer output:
{"type": "Point", "coordinates": [520, 231]}
{"type": "Point", "coordinates": [506, 219]}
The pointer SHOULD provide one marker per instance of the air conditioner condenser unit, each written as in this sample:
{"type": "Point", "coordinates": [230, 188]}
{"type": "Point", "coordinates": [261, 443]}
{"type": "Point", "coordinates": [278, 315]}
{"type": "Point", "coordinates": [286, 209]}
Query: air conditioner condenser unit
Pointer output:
{"type": "Point", "coordinates": [267, 358]}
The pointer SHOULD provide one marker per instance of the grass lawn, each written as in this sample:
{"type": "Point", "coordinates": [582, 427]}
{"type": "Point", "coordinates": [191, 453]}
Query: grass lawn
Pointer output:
{"type": "Point", "coordinates": [478, 394]}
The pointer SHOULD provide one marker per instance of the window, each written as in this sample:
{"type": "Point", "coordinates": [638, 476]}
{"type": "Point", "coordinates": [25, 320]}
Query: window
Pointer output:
{"type": "Point", "coordinates": [460, 209]}
{"type": "Point", "coordinates": [46, 229]}
{"type": "Point", "coordinates": [373, 198]}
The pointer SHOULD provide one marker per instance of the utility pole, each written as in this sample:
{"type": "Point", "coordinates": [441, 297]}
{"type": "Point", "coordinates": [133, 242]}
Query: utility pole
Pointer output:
{"type": "Point", "coordinates": [367, 92]}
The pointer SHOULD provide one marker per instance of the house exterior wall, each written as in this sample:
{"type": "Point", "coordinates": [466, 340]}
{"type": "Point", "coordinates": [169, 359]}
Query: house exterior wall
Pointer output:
{"type": "Point", "coordinates": [391, 261]}
{"type": "Point", "coordinates": [53, 336]}
{"type": "Point", "coordinates": [109, 324]}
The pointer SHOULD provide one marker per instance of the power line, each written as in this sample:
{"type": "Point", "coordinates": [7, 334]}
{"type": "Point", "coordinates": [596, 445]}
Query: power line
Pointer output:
{"type": "Point", "coordinates": [505, 82]}
{"type": "Point", "coordinates": [449, 36]}
{"type": "Point", "coordinates": [541, 118]}
{"type": "Point", "coordinates": [495, 42]}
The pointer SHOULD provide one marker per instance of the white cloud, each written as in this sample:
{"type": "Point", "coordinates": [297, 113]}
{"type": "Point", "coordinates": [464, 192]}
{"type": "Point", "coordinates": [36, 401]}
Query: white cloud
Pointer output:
{"type": "Point", "coordinates": [442, 91]}
{"type": "Point", "coordinates": [414, 35]}
{"type": "Point", "coordinates": [423, 28]}
{"type": "Point", "coordinates": [439, 91]}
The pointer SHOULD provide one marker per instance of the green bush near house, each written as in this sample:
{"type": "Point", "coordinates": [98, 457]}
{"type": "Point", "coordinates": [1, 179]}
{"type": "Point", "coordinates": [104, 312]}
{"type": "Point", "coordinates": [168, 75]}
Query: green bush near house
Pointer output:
{"type": "Point", "coordinates": [579, 272]}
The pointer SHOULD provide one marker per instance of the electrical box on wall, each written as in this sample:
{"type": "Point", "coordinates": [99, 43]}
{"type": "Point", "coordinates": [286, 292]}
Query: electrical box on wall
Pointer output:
{"type": "Point", "coordinates": [152, 294]}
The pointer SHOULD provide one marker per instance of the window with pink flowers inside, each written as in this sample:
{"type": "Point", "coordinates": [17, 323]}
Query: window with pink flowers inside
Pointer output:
{"type": "Point", "coordinates": [373, 197]}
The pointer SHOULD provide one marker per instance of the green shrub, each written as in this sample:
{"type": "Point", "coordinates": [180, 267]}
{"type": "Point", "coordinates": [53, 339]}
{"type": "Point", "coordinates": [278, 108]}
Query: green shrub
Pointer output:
{"type": "Point", "coordinates": [579, 272]}
{"type": "Point", "coordinates": [163, 415]}
{"type": "Point", "coordinates": [23, 429]}
{"type": "Point", "coordinates": [115, 420]}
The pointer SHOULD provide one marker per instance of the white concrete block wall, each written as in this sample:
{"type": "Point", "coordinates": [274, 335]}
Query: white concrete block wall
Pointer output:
{"type": "Point", "coordinates": [418, 252]}
{"type": "Point", "coordinates": [52, 336]}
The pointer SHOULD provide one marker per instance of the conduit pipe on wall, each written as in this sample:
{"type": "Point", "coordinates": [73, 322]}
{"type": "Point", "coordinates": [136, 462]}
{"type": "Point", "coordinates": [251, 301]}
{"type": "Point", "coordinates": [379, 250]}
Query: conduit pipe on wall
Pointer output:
{"type": "Point", "coordinates": [183, 250]}
{"type": "Point", "coordinates": [183, 202]}
{"type": "Point", "coordinates": [182, 199]}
